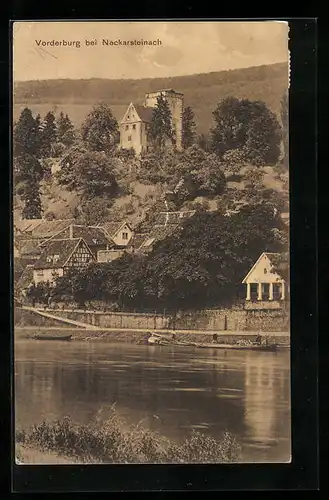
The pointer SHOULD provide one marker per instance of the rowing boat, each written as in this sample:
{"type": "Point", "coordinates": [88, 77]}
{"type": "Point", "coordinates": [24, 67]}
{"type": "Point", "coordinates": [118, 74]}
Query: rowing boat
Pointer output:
{"type": "Point", "coordinates": [52, 337]}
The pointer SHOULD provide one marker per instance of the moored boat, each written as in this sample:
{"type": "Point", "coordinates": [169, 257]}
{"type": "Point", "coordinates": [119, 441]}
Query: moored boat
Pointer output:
{"type": "Point", "coordinates": [52, 337]}
{"type": "Point", "coordinates": [156, 339]}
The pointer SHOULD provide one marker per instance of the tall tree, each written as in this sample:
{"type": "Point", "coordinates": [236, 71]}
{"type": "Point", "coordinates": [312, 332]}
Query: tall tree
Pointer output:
{"type": "Point", "coordinates": [248, 126]}
{"type": "Point", "coordinates": [27, 171]}
{"type": "Point", "coordinates": [49, 134]}
{"type": "Point", "coordinates": [161, 130]}
{"type": "Point", "coordinates": [188, 127]}
{"type": "Point", "coordinates": [65, 130]}
{"type": "Point", "coordinates": [26, 134]}
{"type": "Point", "coordinates": [284, 111]}
{"type": "Point", "coordinates": [100, 131]}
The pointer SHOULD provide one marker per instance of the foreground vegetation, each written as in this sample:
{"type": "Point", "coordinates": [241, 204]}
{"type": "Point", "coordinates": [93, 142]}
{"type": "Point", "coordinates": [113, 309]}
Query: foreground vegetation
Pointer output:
{"type": "Point", "coordinates": [111, 441]}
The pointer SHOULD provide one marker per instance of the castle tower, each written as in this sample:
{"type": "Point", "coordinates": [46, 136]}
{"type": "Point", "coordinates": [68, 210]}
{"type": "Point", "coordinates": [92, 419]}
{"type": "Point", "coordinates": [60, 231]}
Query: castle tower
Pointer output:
{"type": "Point", "coordinates": [175, 101]}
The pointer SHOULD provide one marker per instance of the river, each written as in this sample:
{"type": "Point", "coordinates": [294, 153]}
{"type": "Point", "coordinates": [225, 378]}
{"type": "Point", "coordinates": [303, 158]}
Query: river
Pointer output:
{"type": "Point", "coordinates": [167, 389]}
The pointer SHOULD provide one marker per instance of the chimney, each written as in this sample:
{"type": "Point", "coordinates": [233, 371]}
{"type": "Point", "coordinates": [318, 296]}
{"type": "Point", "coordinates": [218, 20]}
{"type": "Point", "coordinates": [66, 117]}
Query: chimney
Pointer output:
{"type": "Point", "coordinates": [71, 232]}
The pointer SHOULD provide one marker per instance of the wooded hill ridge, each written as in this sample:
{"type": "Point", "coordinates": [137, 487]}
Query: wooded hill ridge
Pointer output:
{"type": "Point", "coordinates": [201, 91]}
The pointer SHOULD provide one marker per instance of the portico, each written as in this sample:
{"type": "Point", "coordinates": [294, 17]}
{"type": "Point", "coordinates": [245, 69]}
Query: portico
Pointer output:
{"type": "Point", "coordinates": [262, 284]}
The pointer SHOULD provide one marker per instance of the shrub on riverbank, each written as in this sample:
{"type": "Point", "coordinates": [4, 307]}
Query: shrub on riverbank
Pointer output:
{"type": "Point", "coordinates": [111, 441]}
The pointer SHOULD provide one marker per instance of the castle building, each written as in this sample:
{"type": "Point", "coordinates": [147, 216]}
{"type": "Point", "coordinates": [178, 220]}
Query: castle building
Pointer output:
{"type": "Point", "coordinates": [135, 123]}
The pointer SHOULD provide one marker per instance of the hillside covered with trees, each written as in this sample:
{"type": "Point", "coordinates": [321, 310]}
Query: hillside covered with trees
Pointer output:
{"type": "Point", "coordinates": [223, 174]}
{"type": "Point", "coordinates": [202, 92]}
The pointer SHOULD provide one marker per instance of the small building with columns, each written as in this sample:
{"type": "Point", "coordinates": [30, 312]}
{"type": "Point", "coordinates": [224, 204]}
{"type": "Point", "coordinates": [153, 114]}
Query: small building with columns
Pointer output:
{"type": "Point", "coordinates": [262, 283]}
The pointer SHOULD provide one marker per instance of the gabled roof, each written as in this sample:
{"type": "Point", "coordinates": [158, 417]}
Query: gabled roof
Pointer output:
{"type": "Point", "coordinates": [144, 114]}
{"type": "Point", "coordinates": [270, 255]}
{"type": "Point", "coordinates": [92, 235]}
{"type": "Point", "coordinates": [63, 248]}
{"type": "Point", "coordinates": [112, 228]}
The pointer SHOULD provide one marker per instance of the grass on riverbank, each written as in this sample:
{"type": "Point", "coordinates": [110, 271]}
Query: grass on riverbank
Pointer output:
{"type": "Point", "coordinates": [111, 441]}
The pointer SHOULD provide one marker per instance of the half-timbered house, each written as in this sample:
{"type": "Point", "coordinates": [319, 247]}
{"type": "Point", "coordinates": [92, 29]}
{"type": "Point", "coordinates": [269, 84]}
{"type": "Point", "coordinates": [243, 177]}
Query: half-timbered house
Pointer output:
{"type": "Point", "coordinates": [59, 256]}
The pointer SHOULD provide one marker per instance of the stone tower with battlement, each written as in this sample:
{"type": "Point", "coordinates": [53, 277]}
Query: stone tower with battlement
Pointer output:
{"type": "Point", "coordinates": [175, 101]}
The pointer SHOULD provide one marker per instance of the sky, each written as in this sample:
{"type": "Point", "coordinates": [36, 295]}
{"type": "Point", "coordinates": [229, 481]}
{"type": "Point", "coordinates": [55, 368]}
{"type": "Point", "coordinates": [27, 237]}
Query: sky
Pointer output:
{"type": "Point", "coordinates": [186, 48]}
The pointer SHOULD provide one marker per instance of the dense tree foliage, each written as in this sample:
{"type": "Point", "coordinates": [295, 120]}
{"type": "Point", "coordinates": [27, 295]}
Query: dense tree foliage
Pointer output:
{"type": "Point", "coordinates": [189, 174]}
{"type": "Point", "coordinates": [189, 127]}
{"type": "Point", "coordinates": [161, 130]}
{"type": "Point", "coordinates": [247, 126]}
{"type": "Point", "coordinates": [100, 131]}
{"type": "Point", "coordinates": [91, 174]}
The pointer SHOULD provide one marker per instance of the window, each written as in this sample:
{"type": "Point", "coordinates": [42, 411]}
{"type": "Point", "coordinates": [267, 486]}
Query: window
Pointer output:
{"type": "Point", "coordinates": [265, 270]}
{"type": "Point", "coordinates": [124, 236]}
{"type": "Point", "coordinates": [56, 258]}
{"type": "Point", "coordinates": [127, 127]}
{"type": "Point", "coordinates": [129, 137]}
{"type": "Point", "coordinates": [134, 126]}
{"type": "Point", "coordinates": [128, 117]}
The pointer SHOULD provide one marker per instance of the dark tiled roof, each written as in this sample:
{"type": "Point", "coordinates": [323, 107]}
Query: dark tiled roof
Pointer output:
{"type": "Point", "coordinates": [62, 248]}
{"type": "Point", "coordinates": [91, 234]}
{"type": "Point", "coordinates": [26, 277]}
{"type": "Point", "coordinates": [166, 218]}
{"type": "Point", "coordinates": [155, 234]}
{"type": "Point", "coordinates": [49, 228]}
{"type": "Point", "coordinates": [161, 232]}
{"type": "Point", "coordinates": [144, 113]}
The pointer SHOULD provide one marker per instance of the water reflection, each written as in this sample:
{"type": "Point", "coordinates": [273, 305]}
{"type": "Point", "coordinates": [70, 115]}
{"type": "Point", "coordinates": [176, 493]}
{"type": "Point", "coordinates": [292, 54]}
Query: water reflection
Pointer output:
{"type": "Point", "coordinates": [170, 390]}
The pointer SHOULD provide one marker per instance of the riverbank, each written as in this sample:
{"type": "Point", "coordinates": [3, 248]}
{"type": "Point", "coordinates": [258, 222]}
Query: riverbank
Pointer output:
{"type": "Point", "coordinates": [112, 441]}
{"type": "Point", "coordinates": [32, 456]}
{"type": "Point", "coordinates": [141, 336]}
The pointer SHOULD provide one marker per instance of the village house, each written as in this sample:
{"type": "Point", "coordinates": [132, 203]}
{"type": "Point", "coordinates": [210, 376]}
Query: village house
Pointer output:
{"type": "Point", "coordinates": [95, 237]}
{"type": "Point", "coordinates": [263, 285]}
{"type": "Point", "coordinates": [119, 236]}
{"type": "Point", "coordinates": [134, 126]}
{"type": "Point", "coordinates": [59, 256]}
{"type": "Point", "coordinates": [39, 229]}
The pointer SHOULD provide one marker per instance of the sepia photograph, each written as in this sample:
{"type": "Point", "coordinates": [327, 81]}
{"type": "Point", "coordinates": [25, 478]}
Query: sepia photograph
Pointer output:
{"type": "Point", "coordinates": [150, 242]}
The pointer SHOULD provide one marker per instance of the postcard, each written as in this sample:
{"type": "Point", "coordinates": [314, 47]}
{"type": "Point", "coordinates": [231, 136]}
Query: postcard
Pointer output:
{"type": "Point", "coordinates": [151, 242]}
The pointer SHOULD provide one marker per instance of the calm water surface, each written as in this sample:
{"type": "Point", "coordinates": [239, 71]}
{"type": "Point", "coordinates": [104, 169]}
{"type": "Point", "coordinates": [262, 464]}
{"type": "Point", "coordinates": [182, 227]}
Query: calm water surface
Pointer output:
{"type": "Point", "coordinates": [169, 389]}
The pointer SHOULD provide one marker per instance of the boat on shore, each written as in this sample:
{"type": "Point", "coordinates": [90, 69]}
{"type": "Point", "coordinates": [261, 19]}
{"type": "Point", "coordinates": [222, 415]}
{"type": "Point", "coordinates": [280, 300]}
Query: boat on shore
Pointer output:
{"type": "Point", "coordinates": [65, 337]}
